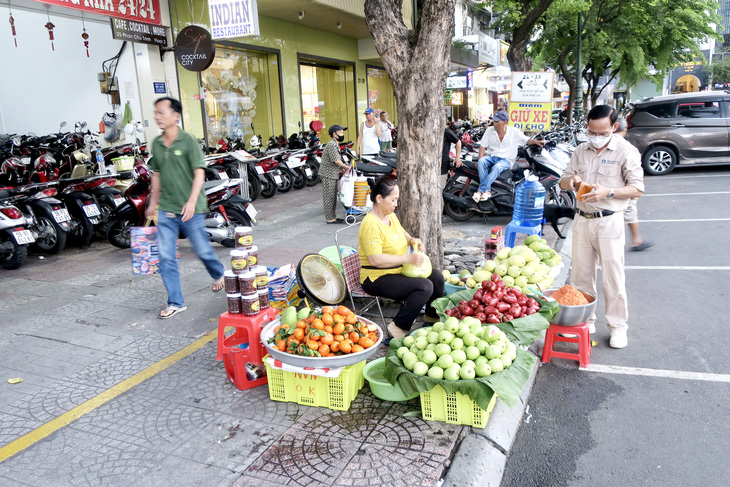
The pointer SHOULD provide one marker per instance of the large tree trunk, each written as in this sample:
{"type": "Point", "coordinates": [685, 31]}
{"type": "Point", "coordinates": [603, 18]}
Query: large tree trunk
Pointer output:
{"type": "Point", "coordinates": [570, 79]}
{"type": "Point", "coordinates": [417, 62]}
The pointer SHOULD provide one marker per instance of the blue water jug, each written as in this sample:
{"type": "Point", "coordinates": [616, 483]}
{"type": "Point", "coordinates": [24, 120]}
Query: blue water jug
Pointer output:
{"type": "Point", "coordinates": [529, 202]}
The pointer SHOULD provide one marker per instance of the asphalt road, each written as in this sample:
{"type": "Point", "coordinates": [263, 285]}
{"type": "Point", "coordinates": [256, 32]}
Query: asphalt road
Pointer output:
{"type": "Point", "coordinates": [617, 423]}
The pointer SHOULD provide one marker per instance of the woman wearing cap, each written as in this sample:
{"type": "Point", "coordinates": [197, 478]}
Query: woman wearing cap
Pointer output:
{"type": "Point", "coordinates": [329, 171]}
{"type": "Point", "coordinates": [383, 247]}
{"type": "Point", "coordinates": [369, 135]}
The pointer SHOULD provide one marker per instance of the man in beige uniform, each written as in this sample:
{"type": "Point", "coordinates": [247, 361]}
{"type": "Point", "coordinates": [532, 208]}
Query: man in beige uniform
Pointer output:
{"type": "Point", "coordinates": [613, 166]}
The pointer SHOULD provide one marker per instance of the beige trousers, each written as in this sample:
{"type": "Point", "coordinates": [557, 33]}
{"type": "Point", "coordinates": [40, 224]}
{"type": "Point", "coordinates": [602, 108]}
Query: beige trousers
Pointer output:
{"type": "Point", "coordinates": [602, 239]}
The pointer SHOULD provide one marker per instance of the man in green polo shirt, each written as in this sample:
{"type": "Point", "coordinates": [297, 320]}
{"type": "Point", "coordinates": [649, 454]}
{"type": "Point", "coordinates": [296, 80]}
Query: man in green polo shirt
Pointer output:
{"type": "Point", "coordinates": [177, 182]}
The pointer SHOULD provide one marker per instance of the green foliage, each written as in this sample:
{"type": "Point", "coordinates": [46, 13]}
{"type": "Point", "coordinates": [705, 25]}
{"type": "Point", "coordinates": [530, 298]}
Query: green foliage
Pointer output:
{"type": "Point", "coordinates": [625, 37]}
{"type": "Point", "coordinates": [720, 70]}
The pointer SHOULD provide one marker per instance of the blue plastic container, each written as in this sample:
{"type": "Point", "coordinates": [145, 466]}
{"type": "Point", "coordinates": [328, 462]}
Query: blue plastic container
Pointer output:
{"type": "Point", "coordinates": [529, 202]}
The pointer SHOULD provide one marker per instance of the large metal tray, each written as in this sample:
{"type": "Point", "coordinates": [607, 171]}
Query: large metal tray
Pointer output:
{"type": "Point", "coordinates": [299, 361]}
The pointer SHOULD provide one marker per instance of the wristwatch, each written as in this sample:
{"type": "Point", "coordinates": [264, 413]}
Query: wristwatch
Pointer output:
{"type": "Point", "coordinates": [611, 193]}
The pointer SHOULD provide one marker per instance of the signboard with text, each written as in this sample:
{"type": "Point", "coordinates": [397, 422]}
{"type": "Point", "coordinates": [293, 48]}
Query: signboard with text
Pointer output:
{"type": "Point", "coordinates": [532, 86]}
{"type": "Point", "coordinates": [139, 10]}
{"type": "Point", "coordinates": [129, 30]}
{"type": "Point", "coordinates": [456, 82]}
{"type": "Point", "coordinates": [194, 48]}
{"type": "Point", "coordinates": [233, 18]}
{"type": "Point", "coordinates": [530, 117]}
{"type": "Point", "coordinates": [488, 50]}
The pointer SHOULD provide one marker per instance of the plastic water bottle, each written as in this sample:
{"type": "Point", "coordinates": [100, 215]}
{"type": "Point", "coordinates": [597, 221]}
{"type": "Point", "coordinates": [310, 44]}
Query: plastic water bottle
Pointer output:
{"type": "Point", "coordinates": [100, 162]}
{"type": "Point", "coordinates": [529, 202]}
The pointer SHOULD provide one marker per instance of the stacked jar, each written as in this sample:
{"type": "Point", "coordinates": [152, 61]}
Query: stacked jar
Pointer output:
{"type": "Point", "coordinates": [248, 281]}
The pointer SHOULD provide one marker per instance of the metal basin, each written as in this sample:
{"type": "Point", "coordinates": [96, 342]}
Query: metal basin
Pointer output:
{"type": "Point", "coordinates": [573, 315]}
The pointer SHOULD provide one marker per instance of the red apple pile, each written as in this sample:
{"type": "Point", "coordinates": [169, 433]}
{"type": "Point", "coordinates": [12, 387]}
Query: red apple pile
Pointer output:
{"type": "Point", "coordinates": [494, 302]}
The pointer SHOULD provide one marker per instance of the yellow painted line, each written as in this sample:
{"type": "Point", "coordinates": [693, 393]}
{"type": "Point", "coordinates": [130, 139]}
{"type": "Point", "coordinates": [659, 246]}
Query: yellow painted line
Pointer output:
{"type": "Point", "coordinates": [68, 417]}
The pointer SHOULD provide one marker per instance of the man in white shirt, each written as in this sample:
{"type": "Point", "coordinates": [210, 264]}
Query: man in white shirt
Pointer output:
{"type": "Point", "coordinates": [502, 142]}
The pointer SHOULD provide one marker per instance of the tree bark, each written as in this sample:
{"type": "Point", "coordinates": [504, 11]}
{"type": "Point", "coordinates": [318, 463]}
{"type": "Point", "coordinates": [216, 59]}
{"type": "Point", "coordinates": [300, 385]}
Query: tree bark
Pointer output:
{"type": "Point", "coordinates": [522, 33]}
{"type": "Point", "coordinates": [570, 79]}
{"type": "Point", "coordinates": [417, 62]}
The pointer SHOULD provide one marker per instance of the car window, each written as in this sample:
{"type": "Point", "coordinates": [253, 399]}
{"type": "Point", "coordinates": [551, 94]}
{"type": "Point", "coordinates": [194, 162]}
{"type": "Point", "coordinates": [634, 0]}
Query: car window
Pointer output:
{"type": "Point", "coordinates": [699, 109]}
{"type": "Point", "coordinates": [660, 110]}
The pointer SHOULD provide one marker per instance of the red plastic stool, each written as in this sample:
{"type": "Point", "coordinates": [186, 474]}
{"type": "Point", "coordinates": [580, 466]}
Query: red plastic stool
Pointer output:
{"type": "Point", "coordinates": [247, 330]}
{"type": "Point", "coordinates": [583, 340]}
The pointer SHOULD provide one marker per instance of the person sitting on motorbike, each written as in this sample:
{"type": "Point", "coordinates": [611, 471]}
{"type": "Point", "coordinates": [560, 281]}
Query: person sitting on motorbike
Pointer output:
{"type": "Point", "coordinates": [501, 142]}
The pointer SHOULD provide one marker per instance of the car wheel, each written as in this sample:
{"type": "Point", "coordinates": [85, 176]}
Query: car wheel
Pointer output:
{"type": "Point", "coordinates": [659, 160]}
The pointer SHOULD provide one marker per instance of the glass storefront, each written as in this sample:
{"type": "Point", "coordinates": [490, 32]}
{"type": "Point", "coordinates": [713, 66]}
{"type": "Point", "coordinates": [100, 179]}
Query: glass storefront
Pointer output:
{"type": "Point", "coordinates": [380, 92]}
{"type": "Point", "coordinates": [328, 94]}
{"type": "Point", "coordinates": [243, 96]}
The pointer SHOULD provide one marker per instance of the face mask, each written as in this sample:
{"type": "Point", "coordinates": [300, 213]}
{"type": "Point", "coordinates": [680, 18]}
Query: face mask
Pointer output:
{"type": "Point", "coordinates": [340, 138]}
{"type": "Point", "coordinates": [598, 141]}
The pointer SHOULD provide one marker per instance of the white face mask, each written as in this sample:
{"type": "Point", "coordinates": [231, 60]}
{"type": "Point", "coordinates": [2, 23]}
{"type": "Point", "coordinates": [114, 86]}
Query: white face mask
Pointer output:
{"type": "Point", "coordinates": [598, 141]}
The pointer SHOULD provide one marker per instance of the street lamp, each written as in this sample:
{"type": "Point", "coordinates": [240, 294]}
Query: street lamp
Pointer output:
{"type": "Point", "coordinates": [579, 72]}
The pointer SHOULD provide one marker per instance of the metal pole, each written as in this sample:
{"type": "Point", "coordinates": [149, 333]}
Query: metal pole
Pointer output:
{"type": "Point", "coordinates": [579, 72]}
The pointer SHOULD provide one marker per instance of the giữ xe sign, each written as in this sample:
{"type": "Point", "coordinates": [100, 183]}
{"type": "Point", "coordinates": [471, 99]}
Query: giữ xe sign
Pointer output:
{"type": "Point", "coordinates": [140, 10]}
{"type": "Point", "coordinates": [233, 18]}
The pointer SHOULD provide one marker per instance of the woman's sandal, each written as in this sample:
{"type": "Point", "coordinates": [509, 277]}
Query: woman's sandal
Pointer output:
{"type": "Point", "coordinates": [171, 311]}
{"type": "Point", "coordinates": [218, 284]}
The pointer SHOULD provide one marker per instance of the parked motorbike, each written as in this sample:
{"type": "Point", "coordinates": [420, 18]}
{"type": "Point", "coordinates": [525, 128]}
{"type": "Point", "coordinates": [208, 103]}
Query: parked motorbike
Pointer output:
{"type": "Point", "coordinates": [49, 219]}
{"type": "Point", "coordinates": [14, 237]}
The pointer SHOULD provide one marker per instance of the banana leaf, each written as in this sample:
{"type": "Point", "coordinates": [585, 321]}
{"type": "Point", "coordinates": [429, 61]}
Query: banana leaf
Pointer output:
{"type": "Point", "coordinates": [520, 331]}
{"type": "Point", "coordinates": [507, 384]}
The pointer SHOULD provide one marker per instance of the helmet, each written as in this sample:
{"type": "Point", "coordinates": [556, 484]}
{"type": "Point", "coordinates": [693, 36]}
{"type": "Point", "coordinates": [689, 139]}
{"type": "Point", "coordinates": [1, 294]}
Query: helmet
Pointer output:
{"type": "Point", "coordinates": [44, 162]}
{"type": "Point", "coordinates": [254, 141]}
{"type": "Point", "coordinates": [11, 165]}
{"type": "Point", "coordinates": [466, 138]}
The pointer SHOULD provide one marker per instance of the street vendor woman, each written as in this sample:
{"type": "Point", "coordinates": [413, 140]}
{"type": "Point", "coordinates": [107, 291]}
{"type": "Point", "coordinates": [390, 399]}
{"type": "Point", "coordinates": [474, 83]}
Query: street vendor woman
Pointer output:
{"type": "Point", "coordinates": [383, 245]}
{"type": "Point", "coordinates": [613, 167]}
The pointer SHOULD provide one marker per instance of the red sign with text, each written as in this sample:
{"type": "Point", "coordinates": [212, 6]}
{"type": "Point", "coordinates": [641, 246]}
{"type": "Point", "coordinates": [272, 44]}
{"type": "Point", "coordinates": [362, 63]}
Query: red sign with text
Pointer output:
{"type": "Point", "coordinates": [147, 11]}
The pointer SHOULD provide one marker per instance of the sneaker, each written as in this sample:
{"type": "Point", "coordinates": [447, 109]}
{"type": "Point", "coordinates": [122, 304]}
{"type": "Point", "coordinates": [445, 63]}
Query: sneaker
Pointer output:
{"type": "Point", "coordinates": [619, 338]}
{"type": "Point", "coordinates": [477, 197]}
{"type": "Point", "coordinates": [395, 331]}
{"type": "Point", "coordinates": [591, 327]}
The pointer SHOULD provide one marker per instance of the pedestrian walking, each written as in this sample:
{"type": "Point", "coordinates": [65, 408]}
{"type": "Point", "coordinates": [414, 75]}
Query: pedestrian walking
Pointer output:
{"type": "Point", "coordinates": [386, 137]}
{"type": "Point", "coordinates": [369, 135]}
{"type": "Point", "coordinates": [613, 167]}
{"type": "Point", "coordinates": [501, 142]}
{"type": "Point", "coordinates": [178, 165]}
{"type": "Point", "coordinates": [631, 215]}
{"type": "Point", "coordinates": [329, 172]}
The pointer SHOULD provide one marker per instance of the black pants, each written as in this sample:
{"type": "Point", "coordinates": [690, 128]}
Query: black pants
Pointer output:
{"type": "Point", "coordinates": [414, 291]}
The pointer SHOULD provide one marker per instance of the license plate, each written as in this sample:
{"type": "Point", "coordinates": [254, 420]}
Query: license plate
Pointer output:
{"type": "Point", "coordinates": [118, 200]}
{"type": "Point", "coordinates": [468, 158]}
{"type": "Point", "coordinates": [223, 175]}
{"type": "Point", "coordinates": [61, 215]}
{"type": "Point", "coordinates": [259, 170]}
{"type": "Point", "coordinates": [277, 179]}
{"type": "Point", "coordinates": [92, 210]}
{"type": "Point", "coordinates": [251, 211]}
{"type": "Point", "coordinates": [308, 172]}
{"type": "Point", "coordinates": [23, 237]}
{"type": "Point", "coordinates": [319, 159]}
{"type": "Point", "coordinates": [294, 162]}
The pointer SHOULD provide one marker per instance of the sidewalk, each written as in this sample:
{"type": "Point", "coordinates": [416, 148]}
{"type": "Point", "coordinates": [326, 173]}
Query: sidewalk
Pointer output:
{"type": "Point", "coordinates": [111, 395]}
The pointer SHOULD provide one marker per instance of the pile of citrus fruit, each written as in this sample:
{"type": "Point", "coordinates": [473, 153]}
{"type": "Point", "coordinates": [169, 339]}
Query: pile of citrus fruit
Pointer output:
{"type": "Point", "coordinates": [334, 331]}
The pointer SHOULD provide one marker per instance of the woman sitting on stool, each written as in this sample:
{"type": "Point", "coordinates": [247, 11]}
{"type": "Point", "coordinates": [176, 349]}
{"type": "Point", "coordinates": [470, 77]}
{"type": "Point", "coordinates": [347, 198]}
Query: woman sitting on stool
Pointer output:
{"type": "Point", "coordinates": [383, 246]}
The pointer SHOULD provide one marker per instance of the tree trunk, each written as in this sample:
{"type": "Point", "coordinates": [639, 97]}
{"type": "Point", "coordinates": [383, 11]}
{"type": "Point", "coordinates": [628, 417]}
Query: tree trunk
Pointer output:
{"type": "Point", "coordinates": [522, 33]}
{"type": "Point", "coordinates": [570, 79]}
{"type": "Point", "coordinates": [417, 62]}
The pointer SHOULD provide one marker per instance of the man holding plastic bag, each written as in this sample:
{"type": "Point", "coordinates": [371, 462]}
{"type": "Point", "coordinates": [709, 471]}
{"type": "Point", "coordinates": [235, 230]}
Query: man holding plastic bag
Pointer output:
{"type": "Point", "coordinates": [329, 172]}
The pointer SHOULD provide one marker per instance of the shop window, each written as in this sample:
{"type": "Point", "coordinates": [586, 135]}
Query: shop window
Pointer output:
{"type": "Point", "coordinates": [328, 94]}
{"type": "Point", "coordinates": [242, 96]}
{"type": "Point", "coordinates": [380, 92]}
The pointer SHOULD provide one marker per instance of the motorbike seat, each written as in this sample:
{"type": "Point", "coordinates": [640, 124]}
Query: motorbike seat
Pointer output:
{"type": "Point", "coordinates": [388, 161]}
{"type": "Point", "coordinates": [391, 155]}
{"type": "Point", "coordinates": [372, 168]}
{"type": "Point", "coordinates": [4, 194]}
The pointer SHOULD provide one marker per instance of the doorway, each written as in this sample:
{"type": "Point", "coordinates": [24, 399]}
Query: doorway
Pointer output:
{"type": "Point", "coordinates": [328, 93]}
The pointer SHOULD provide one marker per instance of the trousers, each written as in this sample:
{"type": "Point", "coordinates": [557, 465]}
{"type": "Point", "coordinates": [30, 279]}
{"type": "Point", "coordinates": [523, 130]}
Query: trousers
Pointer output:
{"type": "Point", "coordinates": [602, 240]}
{"type": "Point", "coordinates": [168, 229]}
{"type": "Point", "coordinates": [329, 198]}
{"type": "Point", "coordinates": [489, 168]}
{"type": "Point", "coordinates": [414, 291]}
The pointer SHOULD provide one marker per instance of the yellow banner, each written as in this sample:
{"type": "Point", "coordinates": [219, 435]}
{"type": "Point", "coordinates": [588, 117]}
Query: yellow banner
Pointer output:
{"type": "Point", "coordinates": [530, 117]}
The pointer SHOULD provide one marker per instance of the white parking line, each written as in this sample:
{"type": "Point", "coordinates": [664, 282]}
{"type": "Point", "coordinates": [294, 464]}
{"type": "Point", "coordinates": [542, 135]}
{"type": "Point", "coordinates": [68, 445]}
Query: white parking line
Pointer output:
{"type": "Point", "coordinates": [685, 194]}
{"type": "Point", "coordinates": [683, 220]}
{"type": "Point", "coordinates": [678, 267]}
{"type": "Point", "coordinates": [669, 374]}
{"type": "Point", "coordinates": [698, 176]}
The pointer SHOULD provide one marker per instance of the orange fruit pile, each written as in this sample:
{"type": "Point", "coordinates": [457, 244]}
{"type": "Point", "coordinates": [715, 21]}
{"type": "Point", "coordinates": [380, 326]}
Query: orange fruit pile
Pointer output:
{"type": "Point", "coordinates": [334, 331]}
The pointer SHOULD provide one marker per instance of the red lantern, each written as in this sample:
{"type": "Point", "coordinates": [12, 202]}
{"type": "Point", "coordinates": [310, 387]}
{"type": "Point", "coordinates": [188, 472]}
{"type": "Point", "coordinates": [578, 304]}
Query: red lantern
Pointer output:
{"type": "Point", "coordinates": [12, 28]}
{"type": "Point", "coordinates": [85, 37]}
{"type": "Point", "coordinates": [50, 28]}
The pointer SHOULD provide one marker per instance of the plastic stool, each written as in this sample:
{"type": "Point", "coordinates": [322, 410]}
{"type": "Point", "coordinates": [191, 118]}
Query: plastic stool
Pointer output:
{"type": "Point", "coordinates": [513, 229]}
{"type": "Point", "coordinates": [583, 340]}
{"type": "Point", "coordinates": [247, 331]}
